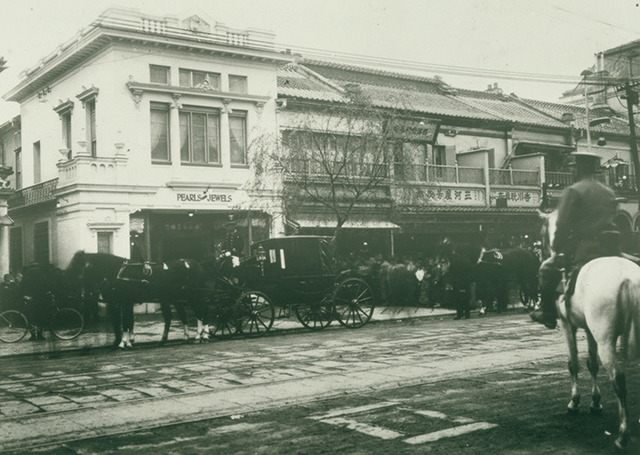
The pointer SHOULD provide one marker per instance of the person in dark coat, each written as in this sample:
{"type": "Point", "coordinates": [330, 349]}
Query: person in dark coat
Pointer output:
{"type": "Point", "coordinates": [233, 242]}
{"type": "Point", "coordinates": [584, 231]}
{"type": "Point", "coordinates": [459, 276]}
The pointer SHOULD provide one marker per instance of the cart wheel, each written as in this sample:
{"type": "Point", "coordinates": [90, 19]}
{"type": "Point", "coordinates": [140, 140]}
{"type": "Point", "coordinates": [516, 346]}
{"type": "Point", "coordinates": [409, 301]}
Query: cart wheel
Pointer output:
{"type": "Point", "coordinates": [66, 324]}
{"type": "Point", "coordinates": [223, 322]}
{"type": "Point", "coordinates": [254, 313]}
{"type": "Point", "coordinates": [13, 326]}
{"type": "Point", "coordinates": [316, 316]}
{"type": "Point", "coordinates": [354, 302]}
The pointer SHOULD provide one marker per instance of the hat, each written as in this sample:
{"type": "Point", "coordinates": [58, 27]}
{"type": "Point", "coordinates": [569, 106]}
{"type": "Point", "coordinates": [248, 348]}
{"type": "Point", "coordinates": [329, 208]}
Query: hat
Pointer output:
{"type": "Point", "coordinates": [231, 222]}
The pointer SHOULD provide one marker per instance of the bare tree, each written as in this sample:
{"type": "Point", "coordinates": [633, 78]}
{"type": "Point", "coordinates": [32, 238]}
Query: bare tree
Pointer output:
{"type": "Point", "coordinates": [333, 158]}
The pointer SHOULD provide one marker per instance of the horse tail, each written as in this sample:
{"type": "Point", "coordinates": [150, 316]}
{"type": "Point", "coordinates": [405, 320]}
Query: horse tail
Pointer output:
{"type": "Point", "coordinates": [629, 301]}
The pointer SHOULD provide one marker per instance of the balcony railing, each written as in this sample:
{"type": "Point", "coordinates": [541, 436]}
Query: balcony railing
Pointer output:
{"type": "Point", "coordinates": [339, 169]}
{"type": "Point", "coordinates": [431, 173]}
{"type": "Point", "coordinates": [35, 194]}
{"type": "Point", "coordinates": [514, 177]}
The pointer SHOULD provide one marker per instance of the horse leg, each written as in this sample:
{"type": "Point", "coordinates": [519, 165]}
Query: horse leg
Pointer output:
{"type": "Point", "coordinates": [593, 366]}
{"type": "Point", "coordinates": [115, 314]}
{"type": "Point", "coordinates": [619, 382]}
{"type": "Point", "coordinates": [182, 314]}
{"type": "Point", "coordinates": [127, 324]}
{"type": "Point", "coordinates": [570, 333]}
{"type": "Point", "coordinates": [165, 308]}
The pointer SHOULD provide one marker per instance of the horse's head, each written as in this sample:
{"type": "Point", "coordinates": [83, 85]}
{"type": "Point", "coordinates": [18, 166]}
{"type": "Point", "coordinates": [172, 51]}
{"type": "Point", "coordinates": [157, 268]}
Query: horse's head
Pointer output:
{"type": "Point", "coordinates": [548, 231]}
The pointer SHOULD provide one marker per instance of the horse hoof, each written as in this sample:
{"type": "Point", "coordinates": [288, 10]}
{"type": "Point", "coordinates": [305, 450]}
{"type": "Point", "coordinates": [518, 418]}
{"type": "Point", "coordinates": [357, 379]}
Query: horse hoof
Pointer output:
{"type": "Point", "coordinates": [595, 411]}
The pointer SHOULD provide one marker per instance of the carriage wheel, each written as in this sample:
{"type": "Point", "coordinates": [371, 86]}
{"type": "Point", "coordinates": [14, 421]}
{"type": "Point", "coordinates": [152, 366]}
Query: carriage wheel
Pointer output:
{"type": "Point", "coordinates": [13, 326]}
{"type": "Point", "coordinates": [223, 323]}
{"type": "Point", "coordinates": [354, 302]}
{"type": "Point", "coordinates": [316, 316]}
{"type": "Point", "coordinates": [66, 324]}
{"type": "Point", "coordinates": [254, 314]}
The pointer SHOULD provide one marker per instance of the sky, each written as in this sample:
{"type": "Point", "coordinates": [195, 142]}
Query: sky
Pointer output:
{"type": "Point", "coordinates": [513, 40]}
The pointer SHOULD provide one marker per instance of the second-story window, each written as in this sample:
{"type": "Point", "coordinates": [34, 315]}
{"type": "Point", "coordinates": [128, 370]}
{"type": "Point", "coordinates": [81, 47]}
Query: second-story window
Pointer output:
{"type": "Point", "coordinates": [91, 127]}
{"type": "Point", "coordinates": [64, 111]}
{"type": "Point", "coordinates": [159, 74]}
{"type": "Point", "coordinates": [190, 78]}
{"type": "Point", "coordinates": [160, 152]}
{"type": "Point", "coordinates": [66, 133]}
{"type": "Point", "coordinates": [37, 165]}
{"type": "Point", "coordinates": [18, 169]}
{"type": "Point", "coordinates": [237, 84]}
{"type": "Point", "coordinates": [199, 136]}
{"type": "Point", "coordinates": [238, 138]}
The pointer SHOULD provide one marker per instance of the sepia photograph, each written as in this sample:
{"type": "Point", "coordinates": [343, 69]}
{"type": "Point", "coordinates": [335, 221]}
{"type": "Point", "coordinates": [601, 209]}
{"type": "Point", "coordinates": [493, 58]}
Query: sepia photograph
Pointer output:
{"type": "Point", "coordinates": [273, 227]}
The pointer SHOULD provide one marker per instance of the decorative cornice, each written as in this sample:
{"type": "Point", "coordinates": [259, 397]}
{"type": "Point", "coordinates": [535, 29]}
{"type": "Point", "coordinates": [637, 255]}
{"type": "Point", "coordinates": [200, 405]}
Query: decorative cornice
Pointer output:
{"type": "Point", "coordinates": [88, 94]}
{"type": "Point", "coordinates": [137, 89]}
{"type": "Point", "coordinates": [63, 107]}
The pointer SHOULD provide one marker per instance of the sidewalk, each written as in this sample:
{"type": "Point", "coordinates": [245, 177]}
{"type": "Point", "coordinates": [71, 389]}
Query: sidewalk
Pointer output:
{"type": "Point", "coordinates": [148, 330]}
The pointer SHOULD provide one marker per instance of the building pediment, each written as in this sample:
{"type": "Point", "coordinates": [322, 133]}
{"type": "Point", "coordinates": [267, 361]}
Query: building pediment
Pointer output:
{"type": "Point", "coordinates": [196, 24]}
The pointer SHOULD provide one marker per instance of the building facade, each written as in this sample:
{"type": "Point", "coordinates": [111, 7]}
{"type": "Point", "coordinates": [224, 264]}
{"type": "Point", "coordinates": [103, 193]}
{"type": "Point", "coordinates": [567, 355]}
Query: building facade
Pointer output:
{"type": "Point", "coordinates": [134, 140]}
{"type": "Point", "coordinates": [139, 136]}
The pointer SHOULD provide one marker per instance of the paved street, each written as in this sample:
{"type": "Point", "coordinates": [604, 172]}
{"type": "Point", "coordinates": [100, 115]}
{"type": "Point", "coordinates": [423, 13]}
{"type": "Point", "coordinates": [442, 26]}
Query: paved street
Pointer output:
{"type": "Point", "coordinates": [52, 402]}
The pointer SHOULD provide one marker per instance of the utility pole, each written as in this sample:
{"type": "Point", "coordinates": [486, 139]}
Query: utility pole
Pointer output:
{"type": "Point", "coordinates": [632, 100]}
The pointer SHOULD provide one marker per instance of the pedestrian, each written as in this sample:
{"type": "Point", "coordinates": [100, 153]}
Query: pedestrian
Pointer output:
{"type": "Point", "coordinates": [460, 279]}
{"type": "Point", "coordinates": [584, 231]}
{"type": "Point", "coordinates": [233, 242]}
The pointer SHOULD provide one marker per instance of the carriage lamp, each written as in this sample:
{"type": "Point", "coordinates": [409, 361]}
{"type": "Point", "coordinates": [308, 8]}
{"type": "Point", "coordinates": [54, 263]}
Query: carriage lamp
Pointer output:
{"type": "Point", "coordinates": [261, 257]}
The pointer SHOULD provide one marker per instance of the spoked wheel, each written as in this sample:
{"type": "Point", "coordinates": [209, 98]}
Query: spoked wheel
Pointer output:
{"type": "Point", "coordinates": [13, 326]}
{"type": "Point", "coordinates": [223, 322]}
{"type": "Point", "coordinates": [254, 314]}
{"type": "Point", "coordinates": [66, 324]}
{"type": "Point", "coordinates": [315, 316]}
{"type": "Point", "coordinates": [354, 302]}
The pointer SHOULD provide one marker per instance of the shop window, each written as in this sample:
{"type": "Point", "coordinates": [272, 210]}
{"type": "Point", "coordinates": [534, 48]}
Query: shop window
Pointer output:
{"type": "Point", "coordinates": [238, 138]}
{"type": "Point", "coordinates": [159, 74]}
{"type": "Point", "coordinates": [41, 242]}
{"type": "Point", "coordinates": [105, 241]}
{"type": "Point", "coordinates": [37, 163]}
{"type": "Point", "coordinates": [237, 84]}
{"type": "Point", "coordinates": [160, 152]}
{"type": "Point", "coordinates": [18, 169]}
{"type": "Point", "coordinates": [201, 79]}
{"type": "Point", "coordinates": [199, 137]}
{"type": "Point", "coordinates": [15, 249]}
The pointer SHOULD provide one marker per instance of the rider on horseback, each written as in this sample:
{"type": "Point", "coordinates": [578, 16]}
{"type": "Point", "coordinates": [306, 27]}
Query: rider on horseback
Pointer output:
{"type": "Point", "coordinates": [584, 231]}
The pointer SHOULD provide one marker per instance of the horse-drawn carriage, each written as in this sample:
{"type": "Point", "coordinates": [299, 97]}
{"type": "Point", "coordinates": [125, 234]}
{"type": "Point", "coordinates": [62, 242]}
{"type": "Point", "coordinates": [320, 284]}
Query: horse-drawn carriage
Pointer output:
{"type": "Point", "coordinates": [299, 273]}
{"type": "Point", "coordinates": [293, 274]}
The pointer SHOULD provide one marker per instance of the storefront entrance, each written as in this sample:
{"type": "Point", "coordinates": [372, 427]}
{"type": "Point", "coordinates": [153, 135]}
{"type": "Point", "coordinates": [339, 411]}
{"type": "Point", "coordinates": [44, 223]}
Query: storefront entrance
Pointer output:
{"type": "Point", "coordinates": [193, 235]}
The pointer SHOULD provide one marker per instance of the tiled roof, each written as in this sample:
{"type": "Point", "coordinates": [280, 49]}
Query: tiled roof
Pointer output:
{"type": "Point", "coordinates": [294, 81]}
{"type": "Point", "coordinates": [386, 89]}
{"type": "Point", "coordinates": [419, 94]}
{"type": "Point", "coordinates": [508, 108]}
{"type": "Point", "coordinates": [617, 125]}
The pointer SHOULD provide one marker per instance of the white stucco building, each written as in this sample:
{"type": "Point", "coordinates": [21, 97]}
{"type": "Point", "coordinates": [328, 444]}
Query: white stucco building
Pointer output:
{"type": "Point", "coordinates": [134, 139]}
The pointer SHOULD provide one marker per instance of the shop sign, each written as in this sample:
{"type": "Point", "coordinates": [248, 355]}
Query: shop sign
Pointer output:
{"type": "Point", "coordinates": [442, 196]}
{"type": "Point", "coordinates": [518, 198]}
{"type": "Point", "coordinates": [205, 197]}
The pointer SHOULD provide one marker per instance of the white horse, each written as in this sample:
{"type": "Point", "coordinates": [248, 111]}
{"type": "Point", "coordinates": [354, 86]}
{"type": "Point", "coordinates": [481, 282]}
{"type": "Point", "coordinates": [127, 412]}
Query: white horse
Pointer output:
{"type": "Point", "coordinates": [606, 304]}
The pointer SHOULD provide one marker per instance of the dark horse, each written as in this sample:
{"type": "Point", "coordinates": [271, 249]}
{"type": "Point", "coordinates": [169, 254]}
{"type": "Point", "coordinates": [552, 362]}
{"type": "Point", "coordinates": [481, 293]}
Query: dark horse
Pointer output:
{"type": "Point", "coordinates": [496, 268]}
{"type": "Point", "coordinates": [95, 274]}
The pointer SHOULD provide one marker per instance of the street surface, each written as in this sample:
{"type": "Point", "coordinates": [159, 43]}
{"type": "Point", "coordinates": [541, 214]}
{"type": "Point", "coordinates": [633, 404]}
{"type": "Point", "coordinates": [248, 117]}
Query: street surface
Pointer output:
{"type": "Point", "coordinates": [485, 385]}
